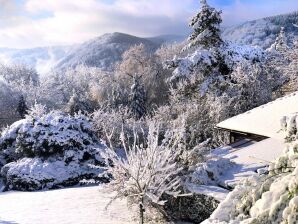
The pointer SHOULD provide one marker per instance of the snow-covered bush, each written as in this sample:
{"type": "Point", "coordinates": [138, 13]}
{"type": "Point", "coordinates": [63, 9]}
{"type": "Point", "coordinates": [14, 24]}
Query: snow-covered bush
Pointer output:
{"type": "Point", "coordinates": [210, 171]}
{"type": "Point", "coordinates": [36, 173]}
{"type": "Point", "coordinates": [47, 140]}
{"type": "Point", "coordinates": [147, 171]}
{"type": "Point", "coordinates": [52, 133]}
{"type": "Point", "coordinates": [271, 198]}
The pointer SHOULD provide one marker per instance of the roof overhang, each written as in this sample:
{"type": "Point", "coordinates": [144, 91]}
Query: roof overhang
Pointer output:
{"type": "Point", "coordinates": [263, 120]}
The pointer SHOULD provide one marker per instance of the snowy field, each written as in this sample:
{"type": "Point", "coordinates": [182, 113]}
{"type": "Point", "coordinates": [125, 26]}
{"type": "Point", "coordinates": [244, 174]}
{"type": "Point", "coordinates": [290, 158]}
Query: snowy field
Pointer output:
{"type": "Point", "coordinates": [82, 205]}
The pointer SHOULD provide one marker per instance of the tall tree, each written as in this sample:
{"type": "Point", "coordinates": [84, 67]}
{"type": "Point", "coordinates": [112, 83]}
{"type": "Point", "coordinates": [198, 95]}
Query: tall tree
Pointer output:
{"type": "Point", "coordinates": [138, 98]}
{"type": "Point", "coordinates": [22, 107]}
{"type": "Point", "coordinates": [280, 43]}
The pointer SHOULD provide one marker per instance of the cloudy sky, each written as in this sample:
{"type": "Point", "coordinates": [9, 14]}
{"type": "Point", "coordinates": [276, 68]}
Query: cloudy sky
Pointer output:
{"type": "Point", "coordinates": [32, 23]}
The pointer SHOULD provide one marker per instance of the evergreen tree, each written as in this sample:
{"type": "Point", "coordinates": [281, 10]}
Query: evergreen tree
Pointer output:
{"type": "Point", "coordinates": [22, 107]}
{"type": "Point", "coordinates": [138, 98]}
{"type": "Point", "coordinates": [206, 25]}
{"type": "Point", "coordinates": [280, 43]}
{"type": "Point", "coordinates": [76, 105]}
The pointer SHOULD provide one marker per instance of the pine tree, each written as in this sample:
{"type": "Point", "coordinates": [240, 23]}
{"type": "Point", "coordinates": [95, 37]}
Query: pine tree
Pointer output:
{"type": "Point", "coordinates": [280, 43]}
{"type": "Point", "coordinates": [22, 107]}
{"type": "Point", "coordinates": [138, 98]}
{"type": "Point", "coordinates": [76, 105]}
{"type": "Point", "coordinates": [206, 25]}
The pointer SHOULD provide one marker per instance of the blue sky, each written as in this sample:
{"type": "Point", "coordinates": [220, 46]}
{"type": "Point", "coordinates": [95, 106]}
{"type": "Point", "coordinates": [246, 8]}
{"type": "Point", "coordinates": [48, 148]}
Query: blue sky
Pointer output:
{"type": "Point", "coordinates": [32, 23]}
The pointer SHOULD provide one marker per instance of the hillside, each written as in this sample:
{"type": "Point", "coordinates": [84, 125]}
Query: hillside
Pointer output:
{"type": "Point", "coordinates": [263, 32]}
{"type": "Point", "coordinates": [102, 51]}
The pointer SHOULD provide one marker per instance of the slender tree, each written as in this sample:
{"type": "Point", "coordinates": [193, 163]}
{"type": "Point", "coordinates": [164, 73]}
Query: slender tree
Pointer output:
{"type": "Point", "coordinates": [22, 107]}
{"type": "Point", "coordinates": [149, 171]}
{"type": "Point", "coordinates": [138, 98]}
{"type": "Point", "coordinates": [280, 43]}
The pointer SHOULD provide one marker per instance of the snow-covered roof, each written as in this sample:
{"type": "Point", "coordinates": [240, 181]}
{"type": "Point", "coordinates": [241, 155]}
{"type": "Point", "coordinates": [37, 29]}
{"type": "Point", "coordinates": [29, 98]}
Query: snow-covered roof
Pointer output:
{"type": "Point", "coordinates": [264, 120]}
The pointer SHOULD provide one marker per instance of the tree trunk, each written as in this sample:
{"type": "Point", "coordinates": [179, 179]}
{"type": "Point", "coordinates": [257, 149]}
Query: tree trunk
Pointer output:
{"type": "Point", "coordinates": [142, 211]}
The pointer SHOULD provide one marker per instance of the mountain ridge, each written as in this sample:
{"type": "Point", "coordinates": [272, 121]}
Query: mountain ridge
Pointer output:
{"type": "Point", "coordinates": [263, 32]}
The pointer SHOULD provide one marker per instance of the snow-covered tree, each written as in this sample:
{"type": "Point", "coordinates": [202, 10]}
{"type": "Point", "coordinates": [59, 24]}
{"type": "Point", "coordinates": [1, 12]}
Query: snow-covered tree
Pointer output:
{"type": "Point", "coordinates": [8, 103]}
{"type": "Point", "coordinates": [281, 43]}
{"type": "Point", "coordinates": [206, 26]}
{"type": "Point", "coordinates": [55, 90]}
{"type": "Point", "coordinates": [37, 110]}
{"type": "Point", "coordinates": [147, 171]}
{"type": "Point", "coordinates": [19, 74]}
{"type": "Point", "coordinates": [138, 99]}
{"type": "Point", "coordinates": [213, 77]}
{"type": "Point", "coordinates": [116, 121]}
{"type": "Point", "coordinates": [75, 105]}
{"type": "Point", "coordinates": [138, 61]}
{"type": "Point", "coordinates": [22, 107]}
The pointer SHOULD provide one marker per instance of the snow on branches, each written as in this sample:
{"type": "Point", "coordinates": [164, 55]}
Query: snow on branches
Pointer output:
{"type": "Point", "coordinates": [206, 25]}
{"type": "Point", "coordinates": [147, 171]}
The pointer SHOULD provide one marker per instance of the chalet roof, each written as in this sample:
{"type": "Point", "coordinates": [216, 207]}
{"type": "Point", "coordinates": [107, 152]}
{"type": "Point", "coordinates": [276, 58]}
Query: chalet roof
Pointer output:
{"type": "Point", "coordinates": [264, 120]}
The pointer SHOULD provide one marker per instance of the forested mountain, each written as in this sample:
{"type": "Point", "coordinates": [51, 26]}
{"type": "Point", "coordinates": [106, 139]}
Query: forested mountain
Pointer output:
{"type": "Point", "coordinates": [263, 32]}
{"type": "Point", "coordinates": [102, 51]}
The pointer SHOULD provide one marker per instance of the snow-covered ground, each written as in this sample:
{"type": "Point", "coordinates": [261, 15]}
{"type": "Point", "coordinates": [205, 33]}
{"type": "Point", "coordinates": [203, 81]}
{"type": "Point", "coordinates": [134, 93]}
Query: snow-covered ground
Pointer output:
{"type": "Point", "coordinates": [81, 205]}
{"type": "Point", "coordinates": [248, 158]}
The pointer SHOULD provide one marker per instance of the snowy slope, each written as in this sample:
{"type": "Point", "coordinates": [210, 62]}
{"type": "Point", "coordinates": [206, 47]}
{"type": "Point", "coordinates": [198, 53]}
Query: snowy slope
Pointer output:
{"type": "Point", "coordinates": [263, 32]}
{"type": "Point", "coordinates": [248, 158]}
{"type": "Point", "coordinates": [83, 205]}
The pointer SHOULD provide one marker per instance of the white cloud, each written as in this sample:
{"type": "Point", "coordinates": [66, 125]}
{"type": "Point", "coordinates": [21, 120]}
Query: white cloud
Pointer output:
{"type": "Point", "coordinates": [73, 21]}
{"type": "Point", "coordinates": [57, 22]}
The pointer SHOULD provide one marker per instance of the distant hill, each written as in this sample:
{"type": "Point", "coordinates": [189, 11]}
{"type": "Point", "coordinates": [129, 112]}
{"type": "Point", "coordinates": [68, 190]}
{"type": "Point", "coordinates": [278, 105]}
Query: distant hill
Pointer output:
{"type": "Point", "coordinates": [263, 32]}
{"type": "Point", "coordinates": [103, 51]}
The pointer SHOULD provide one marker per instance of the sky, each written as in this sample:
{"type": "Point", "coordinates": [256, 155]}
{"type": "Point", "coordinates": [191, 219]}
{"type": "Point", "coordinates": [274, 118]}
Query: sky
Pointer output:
{"type": "Point", "coordinates": [33, 23]}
